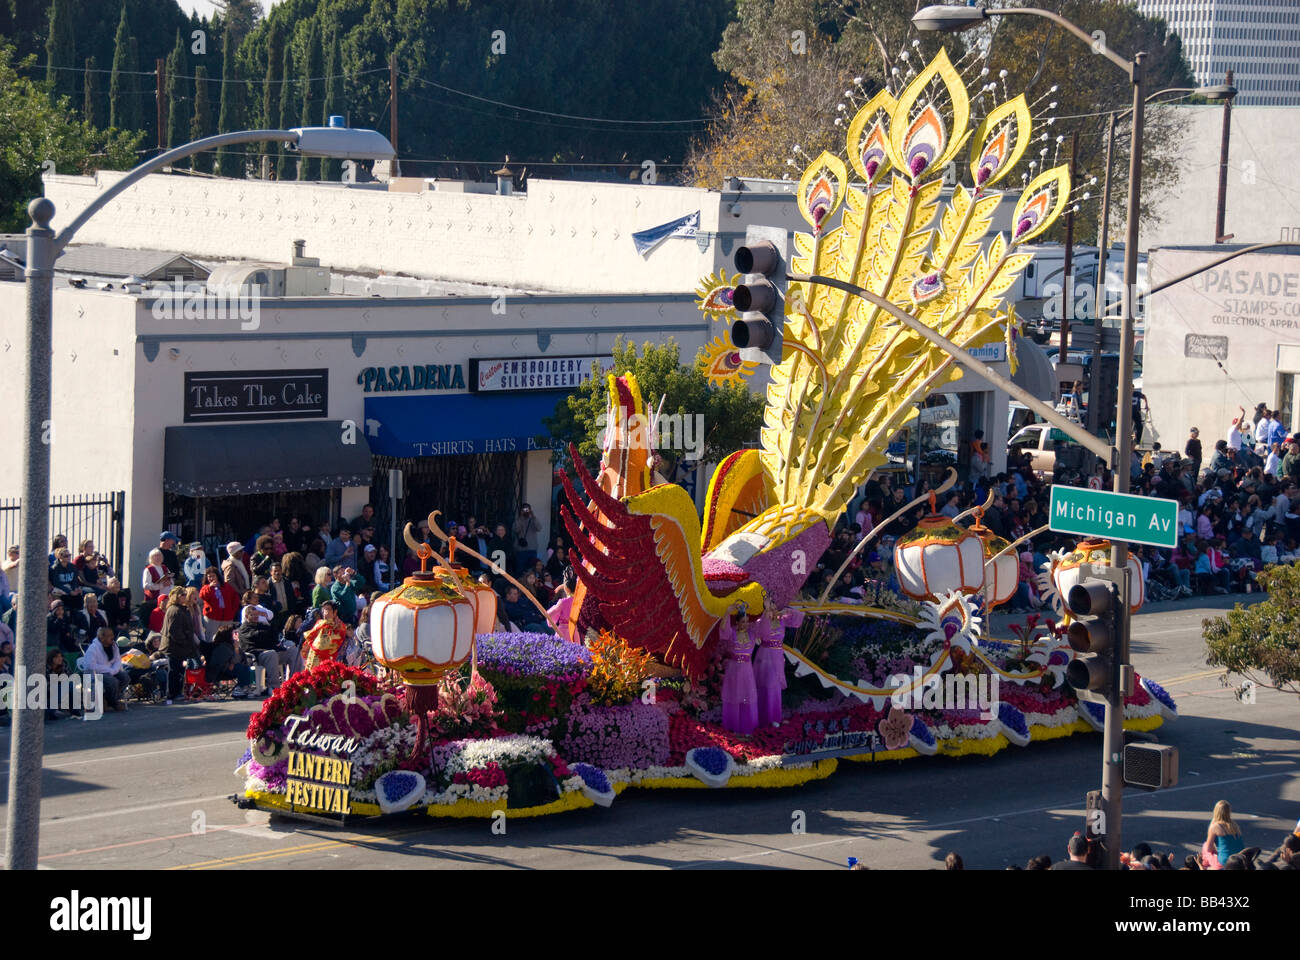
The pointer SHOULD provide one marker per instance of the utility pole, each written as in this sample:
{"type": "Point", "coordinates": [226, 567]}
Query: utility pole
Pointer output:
{"type": "Point", "coordinates": [392, 100]}
{"type": "Point", "coordinates": [1103, 258]}
{"type": "Point", "coordinates": [1067, 273]}
{"type": "Point", "coordinates": [1219, 236]}
{"type": "Point", "coordinates": [160, 71]}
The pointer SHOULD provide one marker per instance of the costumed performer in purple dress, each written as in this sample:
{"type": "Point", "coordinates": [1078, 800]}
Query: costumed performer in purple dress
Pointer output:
{"type": "Point", "coordinates": [769, 661]}
{"type": "Point", "coordinates": [739, 695]}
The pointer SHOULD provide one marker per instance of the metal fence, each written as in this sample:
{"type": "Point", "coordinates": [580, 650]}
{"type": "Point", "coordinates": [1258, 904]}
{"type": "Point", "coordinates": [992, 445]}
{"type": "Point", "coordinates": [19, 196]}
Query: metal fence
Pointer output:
{"type": "Point", "coordinates": [84, 516]}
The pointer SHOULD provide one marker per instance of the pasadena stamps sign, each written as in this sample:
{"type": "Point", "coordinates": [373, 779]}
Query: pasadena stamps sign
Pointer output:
{"type": "Point", "coordinates": [318, 784]}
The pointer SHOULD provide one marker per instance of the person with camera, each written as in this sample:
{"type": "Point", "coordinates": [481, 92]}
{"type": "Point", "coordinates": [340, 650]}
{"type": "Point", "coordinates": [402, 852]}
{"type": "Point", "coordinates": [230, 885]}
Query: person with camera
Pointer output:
{"type": "Point", "coordinates": [524, 532]}
{"type": "Point", "coordinates": [344, 594]}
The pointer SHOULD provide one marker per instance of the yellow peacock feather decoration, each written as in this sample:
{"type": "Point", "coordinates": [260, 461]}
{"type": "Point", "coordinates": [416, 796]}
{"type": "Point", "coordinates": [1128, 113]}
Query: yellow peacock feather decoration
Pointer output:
{"type": "Point", "coordinates": [851, 375]}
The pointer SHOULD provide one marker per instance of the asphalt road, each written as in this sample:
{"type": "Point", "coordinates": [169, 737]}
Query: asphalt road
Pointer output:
{"type": "Point", "coordinates": [149, 788]}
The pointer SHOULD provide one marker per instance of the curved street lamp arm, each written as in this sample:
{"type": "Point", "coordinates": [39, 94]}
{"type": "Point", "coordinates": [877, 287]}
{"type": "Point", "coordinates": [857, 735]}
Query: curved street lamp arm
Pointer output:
{"type": "Point", "coordinates": [157, 163]}
{"type": "Point", "coordinates": [1098, 45]}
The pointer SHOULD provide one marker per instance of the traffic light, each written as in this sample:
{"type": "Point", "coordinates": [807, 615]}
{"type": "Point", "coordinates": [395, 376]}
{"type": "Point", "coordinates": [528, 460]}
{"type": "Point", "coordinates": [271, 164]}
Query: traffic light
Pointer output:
{"type": "Point", "coordinates": [1095, 609]}
{"type": "Point", "coordinates": [760, 297]}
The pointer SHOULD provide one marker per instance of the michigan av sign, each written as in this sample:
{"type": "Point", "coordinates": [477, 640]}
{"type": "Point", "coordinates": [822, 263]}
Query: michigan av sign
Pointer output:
{"type": "Point", "coordinates": [1114, 516]}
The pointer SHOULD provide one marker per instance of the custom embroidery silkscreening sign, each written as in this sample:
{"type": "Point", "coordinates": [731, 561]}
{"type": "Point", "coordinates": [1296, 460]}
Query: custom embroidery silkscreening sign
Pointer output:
{"type": "Point", "coordinates": [1114, 516]}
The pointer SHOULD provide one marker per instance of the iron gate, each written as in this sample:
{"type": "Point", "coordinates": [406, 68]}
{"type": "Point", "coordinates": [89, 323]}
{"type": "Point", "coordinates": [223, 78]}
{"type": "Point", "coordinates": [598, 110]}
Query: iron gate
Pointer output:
{"type": "Point", "coordinates": [487, 486]}
{"type": "Point", "coordinates": [84, 516]}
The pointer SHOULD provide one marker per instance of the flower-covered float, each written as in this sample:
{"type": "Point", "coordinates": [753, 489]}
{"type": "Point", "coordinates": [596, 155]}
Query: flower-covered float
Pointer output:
{"type": "Point", "coordinates": [699, 659]}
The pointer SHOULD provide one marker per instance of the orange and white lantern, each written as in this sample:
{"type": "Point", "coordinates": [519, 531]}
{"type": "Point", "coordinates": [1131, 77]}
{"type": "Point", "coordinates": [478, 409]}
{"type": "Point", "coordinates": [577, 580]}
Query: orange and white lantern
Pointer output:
{"type": "Point", "coordinates": [1001, 573]}
{"type": "Point", "coordinates": [483, 597]}
{"type": "Point", "coordinates": [423, 628]}
{"type": "Point", "coordinates": [1067, 572]}
{"type": "Point", "coordinates": [938, 557]}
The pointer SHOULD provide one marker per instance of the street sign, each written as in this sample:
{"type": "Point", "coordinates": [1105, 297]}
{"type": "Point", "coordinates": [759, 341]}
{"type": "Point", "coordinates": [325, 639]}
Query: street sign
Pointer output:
{"type": "Point", "coordinates": [1114, 516]}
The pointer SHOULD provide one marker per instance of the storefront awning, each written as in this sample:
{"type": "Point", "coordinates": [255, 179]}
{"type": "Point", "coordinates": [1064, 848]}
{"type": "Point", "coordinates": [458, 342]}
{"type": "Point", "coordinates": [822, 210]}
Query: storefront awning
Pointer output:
{"type": "Point", "coordinates": [219, 461]}
{"type": "Point", "coordinates": [440, 426]}
{"type": "Point", "coordinates": [1035, 372]}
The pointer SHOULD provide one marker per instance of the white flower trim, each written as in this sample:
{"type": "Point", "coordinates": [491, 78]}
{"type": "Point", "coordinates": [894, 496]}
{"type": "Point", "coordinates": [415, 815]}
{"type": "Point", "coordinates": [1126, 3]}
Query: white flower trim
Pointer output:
{"type": "Point", "coordinates": [1133, 711]}
{"type": "Point", "coordinates": [710, 779]}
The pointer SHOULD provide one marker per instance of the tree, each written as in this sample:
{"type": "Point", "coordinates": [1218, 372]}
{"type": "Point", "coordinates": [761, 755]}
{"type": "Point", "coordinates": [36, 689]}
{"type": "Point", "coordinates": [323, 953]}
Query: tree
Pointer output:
{"type": "Point", "coordinates": [90, 109]}
{"type": "Point", "coordinates": [61, 51]}
{"type": "Point", "coordinates": [333, 100]}
{"type": "Point", "coordinates": [201, 122]}
{"type": "Point", "coordinates": [284, 161]}
{"type": "Point", "coordinates": [33, 129]}
{"type": "Point", "coordinates": [731, 415]}
{"type": "Point", "coordinates": [1262, 642]}
{"type": "Point", "coordinates": [312, 94]}
{"type": "Point", "coordinates": [230, 160]}
{"type": "Point", "coordinates": [271, 87]}
{"type": "Point", "coordinates": [240, 16]}
{"type": "Point", "coordinates": [178, 104]}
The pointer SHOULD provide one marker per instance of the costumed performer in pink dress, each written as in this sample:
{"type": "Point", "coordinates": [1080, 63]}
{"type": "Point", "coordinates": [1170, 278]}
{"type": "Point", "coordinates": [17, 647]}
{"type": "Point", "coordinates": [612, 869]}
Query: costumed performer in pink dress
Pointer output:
{"type": "Point", "coordinates": [769, 660]}
{"type": "Point", "coordinates": [739, 694]}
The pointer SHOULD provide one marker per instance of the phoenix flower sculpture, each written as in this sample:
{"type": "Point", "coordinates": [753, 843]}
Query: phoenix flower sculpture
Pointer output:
{"type": "Point", "coordinates": [850, 375]}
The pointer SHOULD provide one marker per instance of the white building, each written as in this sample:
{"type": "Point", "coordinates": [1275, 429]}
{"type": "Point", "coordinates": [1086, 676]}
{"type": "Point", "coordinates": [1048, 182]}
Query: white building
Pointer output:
{"type": "Point", "coordinates": [1226, 338]}
{"type": "Point", "coordinates": [1258, 40]}
{"type": "Point", "coordinates": [412, 347]}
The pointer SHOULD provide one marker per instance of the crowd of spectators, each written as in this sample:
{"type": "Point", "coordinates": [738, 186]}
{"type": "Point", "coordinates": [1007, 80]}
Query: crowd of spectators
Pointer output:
{"type": "Point", "coordinates": [1236, 515]}
{"type": "Point", "coordinates": [295, 592]}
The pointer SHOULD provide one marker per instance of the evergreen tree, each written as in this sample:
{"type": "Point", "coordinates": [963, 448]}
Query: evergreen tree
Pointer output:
{"type": "Point", "coordinates": [118, 82]}
{"type": "Point", "coordinates": [230, 160]}
{"type": "Point", "coordinates": [60, 52]}
{"type": "Point", "coordinates": [201, 122]}
{"type": "Point", "coordinates": [312, 95]}
{"type": "Point", "coordinates": [271, 88]}
{"type": "Point", "coordinates": [178, 104]}
{"type": "Point", "coordinates": [134, 112]}
{"type": "Point", "coordinates": [90, 109]}
{"type": "Point", "coordinates": [284, 164]}
{"type": "Point", "coordinates": [334, 101]}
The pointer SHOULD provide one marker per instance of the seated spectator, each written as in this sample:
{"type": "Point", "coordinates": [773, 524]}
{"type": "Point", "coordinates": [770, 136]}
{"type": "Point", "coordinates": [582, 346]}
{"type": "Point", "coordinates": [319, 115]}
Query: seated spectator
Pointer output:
{"type": "Point", "coordinates": [220, 602]}
{"type": "Point", "coordinates": [92, 568]}
{"type": "Point", "coordinates": [56, 668]}
{"type": "Point", "coordinates": [65, 583]}
{"type": "Point", "coordinates": [103, 658]}
{"type": "Point", "coordinates": [158, 581]}
{"type": "Point", "coordinates": [1222, 839]}
{"type": "Point", "coordinates": [156, 615]}
{"type": "Point", "coordinates": [89, 620]}
{"type": "Point", "coordinates": [235, 571]}
{"type": "Point", "coordinates": [226, 663]}
{"type": "Point", "coordinates": [262, 559]}
{"type": "Point", "coordinates": [342, 551]}
{"type": "Point", "coordinates": [380, 573]}
{"type": "Point", "coordinates": [517, 614]}
{"type": "Point", "coordinates": [59, 630]}
{"type": "Point", "coordinates": [116, 604]}
{"type": "Point", "coordinates": [1210, 577]}
{"type": "Point", "coordinates": [153, 674]}
{"type": "Point", "coordinates": [298, 582]}
{"type": "Point", "coordinates": [324, 580]}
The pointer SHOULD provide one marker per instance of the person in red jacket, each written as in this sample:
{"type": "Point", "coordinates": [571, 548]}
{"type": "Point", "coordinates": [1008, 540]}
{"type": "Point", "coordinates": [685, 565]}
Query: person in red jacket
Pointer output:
{"type": "Point", "coordinates": [157, 614]}
{"type": "Point", "coordinates": [220, 602]}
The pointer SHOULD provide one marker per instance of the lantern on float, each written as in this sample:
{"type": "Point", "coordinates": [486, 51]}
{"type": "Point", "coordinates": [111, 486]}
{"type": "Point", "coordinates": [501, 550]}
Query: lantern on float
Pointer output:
{"type": "Point", "coordinates": [483, 597]}
{"type": "Point", "coordinates": [1001, 571]}
{"type": "Point", "coordinates": [1066, 572]}
{"type": "Point", "coordinates": [421, 630]}
{"type": "Point", "coordinates": [938, 557]}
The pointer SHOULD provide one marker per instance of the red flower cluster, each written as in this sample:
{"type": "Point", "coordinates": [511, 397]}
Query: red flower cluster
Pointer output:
{"type": "Point", "coordinates": [307, 688]}
{"type": "Point", "coordinates": [489, 775]}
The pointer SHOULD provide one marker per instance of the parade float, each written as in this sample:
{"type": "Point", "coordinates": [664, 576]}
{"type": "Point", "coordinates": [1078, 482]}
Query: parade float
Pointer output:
{"type": "Point", "coordinates": [700, 659]}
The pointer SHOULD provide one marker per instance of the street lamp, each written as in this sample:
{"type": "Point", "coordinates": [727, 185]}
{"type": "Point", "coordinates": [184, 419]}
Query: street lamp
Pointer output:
{"type": "Point", "coordinates": [22, 832]}
{"type": "Point", "coordinates": [954, 19]}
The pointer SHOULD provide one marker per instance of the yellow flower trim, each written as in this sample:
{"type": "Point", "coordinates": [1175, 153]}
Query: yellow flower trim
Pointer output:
{"type": "Point", "coordinates": [905, 754]}
{"type": "Point", "coordinates": [1039, 732]}
{"type": "Point", "coordinates": [1145, 723]}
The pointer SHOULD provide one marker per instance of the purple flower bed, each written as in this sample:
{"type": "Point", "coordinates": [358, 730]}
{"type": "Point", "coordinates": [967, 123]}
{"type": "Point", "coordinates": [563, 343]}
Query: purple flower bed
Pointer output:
{"type": "Point", "coordinates": [533, 655]}
{"type": "Point", "coordinates": [922, 731]}
{"type": "Point", "coordinates": [1013, 720]}
{"type": "Point", "coordinates": [631, 735]}
{"type": "Point", "coordinates": [1160, 694]}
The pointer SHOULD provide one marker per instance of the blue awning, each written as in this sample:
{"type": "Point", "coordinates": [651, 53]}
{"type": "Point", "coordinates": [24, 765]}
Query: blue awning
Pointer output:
{"type": "Point", "coordinates": [452, 424]}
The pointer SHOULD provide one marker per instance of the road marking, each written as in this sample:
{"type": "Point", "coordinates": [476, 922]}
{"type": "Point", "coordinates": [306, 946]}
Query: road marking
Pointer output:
{"type": "Point", "coordinates": [136, 843]}
{"type": "Point", "coordinates": [1192, 676]}
{"type": "Point", "coordinates": [56, 821]}
{"type": "Point", "coordinates": [150, 753]}
{"type": "Point", "coordinates": [969, 820]}
{"type": "Point", "coordinates": [261, 855]}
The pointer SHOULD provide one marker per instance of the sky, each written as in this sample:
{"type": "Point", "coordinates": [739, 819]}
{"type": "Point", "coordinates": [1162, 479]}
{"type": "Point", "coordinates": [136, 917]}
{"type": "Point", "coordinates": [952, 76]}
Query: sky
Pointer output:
{"type": "Point", "coordinates": [205, 8]}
